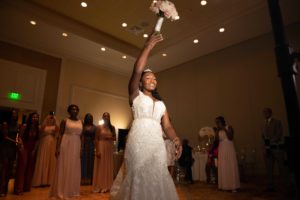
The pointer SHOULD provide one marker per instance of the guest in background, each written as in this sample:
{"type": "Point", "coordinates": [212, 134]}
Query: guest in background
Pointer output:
{"type": "Point", "coordinates": [45, 162]}
{"type": "Point", "coordinates": [8, 149]}
{"type": "Point", "coordinates": [87, 157]}
{"type": "Point", "coordinates": [170, 147]}
{"type": "Point", "coordinates": [274, 151]}
{"type": "Point", "coordinates": [186, 160]}
{"type": "Point", "coordinates": [27, 155]}
{"type": "Point", "coordinates": [103, 168]}
{"type": "Point", "coordinates": [211, 165]}
{"type": "Point", "coordinates": [228, 173]}
{"type": "Point", "coordinates": [66, 181]}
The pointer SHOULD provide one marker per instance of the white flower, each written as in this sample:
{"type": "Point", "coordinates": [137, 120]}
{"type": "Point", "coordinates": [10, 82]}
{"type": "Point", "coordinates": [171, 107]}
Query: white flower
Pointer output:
{"type": "Point", "coordinates": [166, 7]}
{"type": "Point", "coordinates": [207, 131]}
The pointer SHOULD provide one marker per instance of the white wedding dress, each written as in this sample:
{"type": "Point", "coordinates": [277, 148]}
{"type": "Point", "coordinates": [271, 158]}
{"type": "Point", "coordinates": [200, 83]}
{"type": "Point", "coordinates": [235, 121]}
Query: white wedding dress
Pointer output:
{"type": "Point", "coordinates": [145, 175]}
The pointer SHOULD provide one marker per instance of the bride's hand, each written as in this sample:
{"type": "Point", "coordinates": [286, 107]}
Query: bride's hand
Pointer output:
{"type": "Point", "coordinates": [178, 148]}
{"type": "Point", "coordinates": [153, 40]}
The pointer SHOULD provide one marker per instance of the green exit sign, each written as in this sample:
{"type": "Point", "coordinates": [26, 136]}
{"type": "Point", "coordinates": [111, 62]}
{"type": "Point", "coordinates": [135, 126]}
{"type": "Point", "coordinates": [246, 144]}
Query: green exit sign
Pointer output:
{"type": "Point", "coordinates": [14, 96]}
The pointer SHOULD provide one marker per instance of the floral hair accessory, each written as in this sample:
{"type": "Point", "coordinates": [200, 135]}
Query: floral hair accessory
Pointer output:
{"type": "Point", "coordinates": [163, 9]}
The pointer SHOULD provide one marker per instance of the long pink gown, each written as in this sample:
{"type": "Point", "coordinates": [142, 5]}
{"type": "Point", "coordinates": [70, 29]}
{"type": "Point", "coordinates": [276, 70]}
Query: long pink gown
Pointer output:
{"type": "Point", "coordinates": [66, 182]}
{"type": "Point", "coordinates": [228, 173]}
{"type": "Point", "coordinates": [103, 166]}
{"type": "Point", "coordinates": [45, 161]}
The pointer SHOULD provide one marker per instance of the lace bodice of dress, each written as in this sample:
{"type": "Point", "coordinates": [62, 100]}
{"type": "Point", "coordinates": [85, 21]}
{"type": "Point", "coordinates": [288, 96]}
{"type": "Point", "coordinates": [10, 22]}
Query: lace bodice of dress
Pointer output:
{"type": "Point", "coordinates": [144, 107]}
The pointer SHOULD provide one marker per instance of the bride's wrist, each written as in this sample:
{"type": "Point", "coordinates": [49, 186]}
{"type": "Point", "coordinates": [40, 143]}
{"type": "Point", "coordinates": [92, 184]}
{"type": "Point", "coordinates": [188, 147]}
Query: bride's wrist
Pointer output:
{"type": "Point", "coordinates": [176, 139]}
{"type": "Point", "coordinates": [148, 46]}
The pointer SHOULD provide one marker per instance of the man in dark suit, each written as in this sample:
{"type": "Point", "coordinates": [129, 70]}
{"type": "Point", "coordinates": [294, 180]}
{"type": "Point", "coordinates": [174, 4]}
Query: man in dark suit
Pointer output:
{"type": "Point", "coordinates": [274, 149]}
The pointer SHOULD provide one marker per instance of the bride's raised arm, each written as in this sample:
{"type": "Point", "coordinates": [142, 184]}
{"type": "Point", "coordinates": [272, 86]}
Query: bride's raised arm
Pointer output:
{"type": "Point", "coordinates": [140, 65]}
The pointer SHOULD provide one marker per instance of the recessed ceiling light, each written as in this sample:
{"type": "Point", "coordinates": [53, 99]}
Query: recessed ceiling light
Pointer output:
{"type": "Point", "coordinates": [33, 22]}
{"type": "Point", "coordinates": [203, 2]}
{"type": "Point", "coordinates": [124, 57]}
{"type": "Point", "coordinates": [103, 49]}
{"type": "Point", "coordinates": [124, 24]}
{"type": "Point", "coordinates": [145, 35]}
{"type": "Point", "coordinates": [164, 54]}
{"type": "Point", "coordinates": [196, 41]}
{"type": "Point", "coordinates": [65, 34]}
{"type": "Point", "coordinates": [83, 4]}
{"type": "Point", "coordinates": [221, 30]}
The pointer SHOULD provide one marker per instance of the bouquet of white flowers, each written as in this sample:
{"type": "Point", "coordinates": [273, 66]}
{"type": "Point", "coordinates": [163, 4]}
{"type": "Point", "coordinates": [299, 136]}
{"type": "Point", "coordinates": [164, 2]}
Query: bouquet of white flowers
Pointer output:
{"type": "Point", "coordinates": [163, 9]}
{"type": "Point", "coordinates": [207, 131]}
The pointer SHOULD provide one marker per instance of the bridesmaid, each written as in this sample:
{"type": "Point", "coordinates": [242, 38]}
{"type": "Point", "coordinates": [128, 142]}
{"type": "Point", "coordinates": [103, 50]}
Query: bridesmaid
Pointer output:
{"type": "Point", "coordinates": [26, 155]}
{"type": "Point", "coordinates": [87, 158]}
{"type": "Point", "coordinates": [66, 181]}
{"type": "Point", "coordinates": [45, 162]}
{"type": "Point", "coordinates": [8, 150]}
{"type": "Point", "coordinates": [228, 174]}
{"type": "Point", "coordinates": [103, 168]}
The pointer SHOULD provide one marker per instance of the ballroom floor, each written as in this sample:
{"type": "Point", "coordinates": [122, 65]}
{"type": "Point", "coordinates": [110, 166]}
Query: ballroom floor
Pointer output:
{"type": "Point", "coordinates": [198, 191]}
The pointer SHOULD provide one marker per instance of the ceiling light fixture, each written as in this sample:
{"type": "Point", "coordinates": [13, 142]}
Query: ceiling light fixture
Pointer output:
{"type": "Point", "coordinates": [196, 41]}
{"type": "Point", "coordinates": [124, 57]}
{"type": "Point", "coordinates": [33, 22]}
{"type": "Point", "coordinates": [65, 34]}
{"type": "Point", "coordinates": [83, 4]}
{"type": "Point", "coordinates": [164, 54]}
{"type": "Point", "coordinates": [103, 49]}
{"type": "Point", "coordinates": [221, 30]}
{"type": "Point", "coordinates": [145, 35]}
{"type": "Point", "coordinates": [203, 2]}
{"type": "Point", "coordinates": [124, 24]}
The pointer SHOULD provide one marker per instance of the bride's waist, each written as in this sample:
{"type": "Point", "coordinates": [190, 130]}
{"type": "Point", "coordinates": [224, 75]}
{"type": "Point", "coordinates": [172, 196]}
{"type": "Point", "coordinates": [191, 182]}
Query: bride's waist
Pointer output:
{"type": "Point", "coordinates": [146, 119]}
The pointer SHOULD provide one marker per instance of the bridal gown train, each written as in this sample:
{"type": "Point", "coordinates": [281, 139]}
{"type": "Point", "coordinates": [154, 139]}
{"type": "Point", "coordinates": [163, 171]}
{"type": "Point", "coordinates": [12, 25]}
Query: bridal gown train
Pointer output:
{"type": "Point", "coordinates": [144, 174]}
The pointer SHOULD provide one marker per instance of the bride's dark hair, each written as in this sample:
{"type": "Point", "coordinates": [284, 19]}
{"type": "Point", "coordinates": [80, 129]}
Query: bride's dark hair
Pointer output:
{"type": "Point", "coordinates": [154, 92]}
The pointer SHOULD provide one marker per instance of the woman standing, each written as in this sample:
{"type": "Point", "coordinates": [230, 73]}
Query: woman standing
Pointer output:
{"type": "Point", "coordinates": [45, 162]}
{"type": "Point", "coordinates": [103, 170]}
{"type": "Point", "coordinates": [66, 181]}
{"type": "Point", "coordinates": [228, 174]}
{"type": "Point", "coordinates": [26, 155]}
{"type": "Point", "coordinates": [87, 158]}
{"type": "Point", "coordinates": [146, 173]}
{"type": "Point", "coordinates": [8, 150]}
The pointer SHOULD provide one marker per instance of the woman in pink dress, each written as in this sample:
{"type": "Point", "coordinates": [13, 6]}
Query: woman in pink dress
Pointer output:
{"type": "Point", "coordinates": [66, 181]}
{"type": "Point", "coordinates": [228, 173]}
{"type": "Point", "coordinates": [45, 161]}
{"type": "Point", "coordinates": [103, 167]}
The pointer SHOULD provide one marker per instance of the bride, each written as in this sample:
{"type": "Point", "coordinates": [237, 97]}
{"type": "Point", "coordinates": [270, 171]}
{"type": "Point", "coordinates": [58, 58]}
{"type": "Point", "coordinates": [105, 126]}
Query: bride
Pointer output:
{"type": "Point", "coordinates": [145, 174]}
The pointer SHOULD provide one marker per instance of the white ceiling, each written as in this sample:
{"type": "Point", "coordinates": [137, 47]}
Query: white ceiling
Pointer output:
{"type": "Point", "coordinates": [99, 25]}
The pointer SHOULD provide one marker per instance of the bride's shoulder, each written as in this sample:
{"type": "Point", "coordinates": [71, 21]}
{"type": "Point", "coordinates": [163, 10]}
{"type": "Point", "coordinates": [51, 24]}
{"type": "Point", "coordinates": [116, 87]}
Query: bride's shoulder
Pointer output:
{"type": "Point", "coordinates": [134, 97]}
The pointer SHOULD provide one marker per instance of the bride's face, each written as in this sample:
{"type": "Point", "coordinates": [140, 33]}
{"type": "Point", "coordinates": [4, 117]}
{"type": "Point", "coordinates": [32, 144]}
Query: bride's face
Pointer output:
{"type": "Point", "coordinates": [149, 81]}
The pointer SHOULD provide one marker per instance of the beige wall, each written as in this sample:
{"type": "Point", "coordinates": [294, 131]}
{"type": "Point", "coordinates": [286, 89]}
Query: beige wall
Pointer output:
{"type": "Point", "coordinates": [236, 82]}
{"type": "Point", "coordinates": [39, 60]}
{"type": "Point", "coordinates": [95, 91]}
